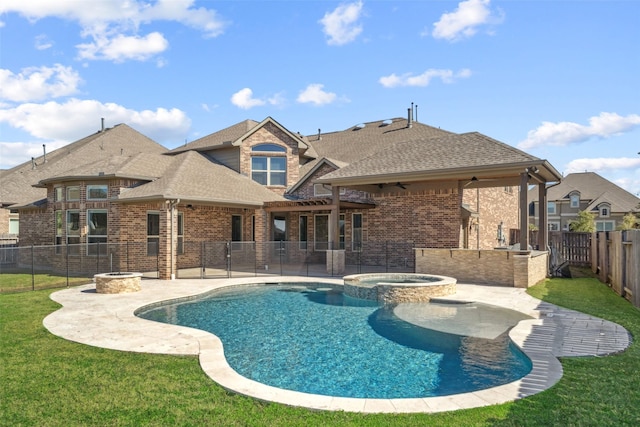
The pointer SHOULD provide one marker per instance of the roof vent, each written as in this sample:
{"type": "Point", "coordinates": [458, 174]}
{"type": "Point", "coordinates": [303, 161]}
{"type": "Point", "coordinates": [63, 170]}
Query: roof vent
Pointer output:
{"type": "Point", "coordinates": [359, 126]}
{"type": "Point", "coordinates": [386, 122]}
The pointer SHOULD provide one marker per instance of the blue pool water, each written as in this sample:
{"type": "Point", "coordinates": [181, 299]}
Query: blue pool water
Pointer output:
{"type": "Point", "coordinates": [316, 340]}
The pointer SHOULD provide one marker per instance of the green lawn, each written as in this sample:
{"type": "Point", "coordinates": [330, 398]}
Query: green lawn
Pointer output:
{"type": "Point", "coordinates": [48, 381]}
{"type": "Point", "coordinates": [19, 282]}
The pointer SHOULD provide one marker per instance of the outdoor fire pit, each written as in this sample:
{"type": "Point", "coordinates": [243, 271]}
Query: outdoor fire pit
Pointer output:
{"type": "Point", "coordinates": [117, 283]}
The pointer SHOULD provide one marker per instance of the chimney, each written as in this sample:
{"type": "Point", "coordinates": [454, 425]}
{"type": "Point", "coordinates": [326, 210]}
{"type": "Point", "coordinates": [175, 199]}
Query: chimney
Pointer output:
{"type": "Point", "coordinates": [44, 150]}
{"type": "Point", "coordinates": [102, 124]}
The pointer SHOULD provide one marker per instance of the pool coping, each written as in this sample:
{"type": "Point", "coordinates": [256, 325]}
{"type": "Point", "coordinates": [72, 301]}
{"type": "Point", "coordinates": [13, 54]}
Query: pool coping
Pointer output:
{"type": "Point", "coordinates": [109, 321]}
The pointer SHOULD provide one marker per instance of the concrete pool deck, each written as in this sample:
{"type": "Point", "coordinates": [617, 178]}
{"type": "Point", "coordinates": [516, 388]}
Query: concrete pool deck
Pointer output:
{"type": "Point", "coordinates": [109, 321]}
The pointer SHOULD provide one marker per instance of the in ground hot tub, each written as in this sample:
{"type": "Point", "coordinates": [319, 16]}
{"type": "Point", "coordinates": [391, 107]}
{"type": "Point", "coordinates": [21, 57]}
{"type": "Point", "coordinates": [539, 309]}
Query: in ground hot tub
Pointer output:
{"type": "Point", "coordinates": [117, 283]}
{"type": "Point", "coordinates": [398, 287]}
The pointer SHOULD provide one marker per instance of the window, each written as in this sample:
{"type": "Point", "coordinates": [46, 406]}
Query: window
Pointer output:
{"type": "Point", "coordinates": [270, 169]}
{"type": "Point", "coordinates": [303, 233]}
{"type": "Point", "coordinates": [59, 230]}
{"type": "Point", "coordinates": [14, 226]}
{"type": "Point", "coordinates": [321, 237]}
{"type": "Point", "coordinates": [321, 232]}
{"type": "Point", "coordinates": [97, 192]}
{"type": "Point", "coordinates": [554, 226]}
{"type": "Point", "coordinates": [325, 190]}
{"type": "Point", "coordinates": [153, 233]}
{"type": "Point", "coordinates": [356, 232]}
{"type": "Point", "coordinates": [73, 231]}
{"type": "Point", "coordinates": [279, 228]}
{"type": "Point", "coordinates": [575, 200]}
{"type": "Point", "coordinates": [73, 193]}
{"type": "Point", "coordinates": [605, 225]}
{"type": "Point", "coordinates": [269, 148]}
{"type": "Point", "coordinates": [604, 211]}
{"type": "Point", "coordinates": [180, 233]}
{"type": "Point", "coordinates": [96, 230]}
{"type": "Point", "coordinates": [58, 194]}
{"type": "Point", "coordinates": [551, 208]}
{"type": "Point", "coordinates": [236, 232]}
{"type": "Point", "coordinates": [532, 209]}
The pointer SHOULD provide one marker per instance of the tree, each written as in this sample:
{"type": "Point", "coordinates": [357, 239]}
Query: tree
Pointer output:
{"type": "Point", "coordinates": [585, 223]}
{"type": "Point", "coordinates": [629, 222]}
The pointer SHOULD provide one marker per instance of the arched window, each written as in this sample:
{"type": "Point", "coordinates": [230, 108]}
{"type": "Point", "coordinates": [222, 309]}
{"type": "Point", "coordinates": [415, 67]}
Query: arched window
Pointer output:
{"type": "Point", "coordinates": [269, 148]}
{"type": "Point", "coordinates": [269, 164]}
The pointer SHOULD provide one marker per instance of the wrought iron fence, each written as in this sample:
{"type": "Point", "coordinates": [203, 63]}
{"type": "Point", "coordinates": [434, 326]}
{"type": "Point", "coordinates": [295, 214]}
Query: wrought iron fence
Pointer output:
{"type": "Point", "coordinates": [39, 267]}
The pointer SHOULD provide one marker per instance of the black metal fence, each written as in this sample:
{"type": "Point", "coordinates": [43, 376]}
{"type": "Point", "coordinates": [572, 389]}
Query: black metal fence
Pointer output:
{"type": "Point", "coordinates": [39, 267]}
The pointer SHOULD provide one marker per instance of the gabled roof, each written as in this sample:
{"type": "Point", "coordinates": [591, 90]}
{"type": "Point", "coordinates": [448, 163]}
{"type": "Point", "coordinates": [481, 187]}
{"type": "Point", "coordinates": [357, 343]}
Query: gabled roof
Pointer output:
{"type": "Point", "coordinates": [16, 184]}
{"type": "Point", "coordinates": [234, 135]}
{"type": "Point", "coordinates": [444, 157]}
{"type": "Point", "coordinates": [592, 188]}
{"type": "Point", "coordinates": [193, 177]}
{"type": "Point", "coordinates": [307, 170]}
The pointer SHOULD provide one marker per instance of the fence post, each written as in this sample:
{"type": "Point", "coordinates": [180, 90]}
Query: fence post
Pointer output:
{"type": "Point", "coordinates": [33, 273]}
{"type": "Point", "coordinates": [228, 260]}
{"type": "Point", "coordinates": [202, 267]}
{"type": "Point", "coordinates": [67, 260]}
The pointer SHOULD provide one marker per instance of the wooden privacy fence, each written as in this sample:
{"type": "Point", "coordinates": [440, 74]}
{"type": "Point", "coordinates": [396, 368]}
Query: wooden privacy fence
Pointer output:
{"type": "Point", "coordinates": [616, 261]}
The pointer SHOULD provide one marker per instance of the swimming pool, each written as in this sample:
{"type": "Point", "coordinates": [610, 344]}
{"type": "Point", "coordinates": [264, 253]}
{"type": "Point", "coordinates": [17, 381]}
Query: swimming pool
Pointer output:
{"type": "Point", "coordinates": [316, 340]}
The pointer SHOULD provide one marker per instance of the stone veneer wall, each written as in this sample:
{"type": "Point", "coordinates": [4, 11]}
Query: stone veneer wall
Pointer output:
{"type": "Point", "coordinates": [498, 267]}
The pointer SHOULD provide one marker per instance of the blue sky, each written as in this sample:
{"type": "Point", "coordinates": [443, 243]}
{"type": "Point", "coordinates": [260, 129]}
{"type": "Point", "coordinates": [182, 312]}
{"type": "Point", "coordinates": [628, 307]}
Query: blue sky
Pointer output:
{"type": "Point", "coordinates": [558, 79]}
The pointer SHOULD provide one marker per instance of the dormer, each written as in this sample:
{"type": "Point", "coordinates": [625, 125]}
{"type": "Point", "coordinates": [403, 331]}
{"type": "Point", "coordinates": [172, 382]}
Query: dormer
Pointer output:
{"type": "Point", "coordinates": [574, 199]}
{"type": "Point", "coordinates": [604, 210]}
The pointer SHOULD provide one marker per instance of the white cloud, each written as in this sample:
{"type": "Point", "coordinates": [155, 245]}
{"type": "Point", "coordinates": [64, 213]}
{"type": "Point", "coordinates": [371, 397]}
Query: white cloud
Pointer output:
{"type": "Point", "coordinates": [341, 26]}
{"type": "Point", "coordinates": [50, 121]}
{"type": "Point", "coordinates": [121, 48]}
{"type": "Point", "coordinates": [113, 25]}
{"type": "Point", "coordinates": [465, 20]}
{"type": "Point", "coordinates": [564, 133]}
{"type": "Point", "coordinates": [424, 79]}
{"type": "Point", "coordinates": [602, 164]}
{"type": "Point", "coordinates": [37, 83]}
{"type": "Point", "coordinates": [313, 94]}
{"type": "Point", "coordinates": [244, 99]}
{"type": "Point", "coordinates": [42, 42]}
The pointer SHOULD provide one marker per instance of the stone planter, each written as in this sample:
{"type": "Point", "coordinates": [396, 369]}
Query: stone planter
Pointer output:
{"type": "Point", "coordinates": [117, 283]}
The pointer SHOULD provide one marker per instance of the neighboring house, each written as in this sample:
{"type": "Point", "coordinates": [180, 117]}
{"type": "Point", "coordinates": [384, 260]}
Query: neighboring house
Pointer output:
{"type": "Point", "coordinates": [393, 180]}
{"type": "Point", "coordinates": [585, 191]}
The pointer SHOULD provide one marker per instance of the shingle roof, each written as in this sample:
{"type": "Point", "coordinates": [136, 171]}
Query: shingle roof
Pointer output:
{"type": "Point", "coordinates": [143, 166]}
{"type": "Point", "coordinates": [448, 152]}
{"type": "Point", "coordinates": [233, 135]}
{"type": "Point", "coordinates": [16, 184]}
{"type": "Point", "coordinates": [222, 138]}
{"type": "Point", "coordinates": [193, 177]}
{"type": "Point", "coordinates": [594, 188]}
{"type": "Point", "coordinates": [363, 140]}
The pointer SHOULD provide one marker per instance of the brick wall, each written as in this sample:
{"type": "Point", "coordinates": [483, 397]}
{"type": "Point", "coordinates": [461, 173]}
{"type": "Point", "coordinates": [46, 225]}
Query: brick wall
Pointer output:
{"type": "Point", "coordinates": [495, 205]}
{"type": "Point", "coordinates": [497, 267]}
{"type": "Point", "coordinates": [272, 134]}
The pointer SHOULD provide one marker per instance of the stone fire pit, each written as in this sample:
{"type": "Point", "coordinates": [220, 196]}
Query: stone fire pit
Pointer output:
{"type": "Point", "coordinates": [117, 283]}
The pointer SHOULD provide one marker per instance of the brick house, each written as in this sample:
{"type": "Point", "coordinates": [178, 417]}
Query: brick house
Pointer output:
{"type": "Point", "coordinates": [333, 193]}
{"type": "Point", "coordinates": [586, 191]}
